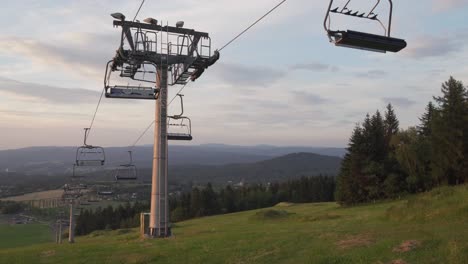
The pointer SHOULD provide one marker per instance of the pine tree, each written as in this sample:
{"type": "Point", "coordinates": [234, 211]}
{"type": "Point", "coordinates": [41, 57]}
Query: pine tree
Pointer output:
{"type": "Point", "coordinates": [448, 163]}
{"type": "Point", "coordinates": [350, 179]}
{"type": "Point", "coordinates": [425, 128]}
{"type": "Point", "coordinates": [391, 123]}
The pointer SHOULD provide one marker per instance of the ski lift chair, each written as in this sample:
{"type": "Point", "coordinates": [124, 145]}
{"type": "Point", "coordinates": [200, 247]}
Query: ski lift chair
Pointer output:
{"type": "Point", "coordinates": [105, 191]}
{"type": "Point", "coordinates": [129, 91]}
{"type": "Point", "coordinates": [179, 126]}
{"type": "Point", "coordinates": [361, 40]}
{"type": "Point", "coordinates": [78, 172]}
{"type": "Point", "coordinates": [126, 172]}
{"type": "Point", "coordinates": [88, 155]}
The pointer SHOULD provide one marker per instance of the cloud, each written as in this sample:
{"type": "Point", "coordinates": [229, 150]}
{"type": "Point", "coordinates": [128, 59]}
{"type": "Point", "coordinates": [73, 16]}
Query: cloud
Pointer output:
{"type": "Point", "coordinates": [21, 113]}
{"type": "Point", "coordinates": [242, 75]}
{"type": "Point", "coordinates": [430, 46]}
{"type": "Point", "coordinates": [309, 98]}
{"type": "Point", "coordinates": [446, 5]}
{"type": "Point", "coordinates": [77, 53]}
{"type": "Point", "coordinates": [399, 101]}
{"type": "Point", "coordinates": [315, 67]}
{"type": "Point", "coordinates": [48, 93]}
{"type": "Point", "coordinates": [372, 74]}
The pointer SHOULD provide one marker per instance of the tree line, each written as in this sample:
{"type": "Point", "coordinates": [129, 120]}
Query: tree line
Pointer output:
{"type": "Point", "coordinates": [10, 207]}
{"type": "Point", "coordinates": [206, 201]}
{"type": "Point", "coordinates": [110, 218]}
{"type": "Point", "coordinates": [384, 161]}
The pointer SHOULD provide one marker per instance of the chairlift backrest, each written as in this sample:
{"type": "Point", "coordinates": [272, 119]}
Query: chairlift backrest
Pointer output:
{"type": "Point", "coordinates": [88, 155]}
{"type": "Point", "coordinates": [179, 128]}
{"type": "Point", "coordinates": [126, 171]}
{"type": "Point", "coordinates": [130, 72]}
{"type": "Point", "coordinates": [362, 40]}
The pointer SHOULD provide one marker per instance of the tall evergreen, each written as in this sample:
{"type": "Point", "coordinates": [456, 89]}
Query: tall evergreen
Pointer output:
{"type": "Point", "coordinates": [425, 128]}
{"type": "Point", "coordinates": [449, 161]}
{"type": "Point", "coordinates": [392, 125]}
{"type": "Point", "coordinates": [349, 182]}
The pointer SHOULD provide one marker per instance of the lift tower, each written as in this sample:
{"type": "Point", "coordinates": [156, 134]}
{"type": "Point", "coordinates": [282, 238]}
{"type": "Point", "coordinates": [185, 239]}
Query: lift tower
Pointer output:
{"type": "Point", "coordinates": [150, 52]}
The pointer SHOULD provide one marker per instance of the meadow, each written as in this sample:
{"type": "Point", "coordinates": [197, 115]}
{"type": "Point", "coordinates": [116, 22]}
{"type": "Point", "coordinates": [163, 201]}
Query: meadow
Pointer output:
{"type": "Point", "coordinates": [17, 236]}
{"type": "Point", "coordinates": [425, 228]}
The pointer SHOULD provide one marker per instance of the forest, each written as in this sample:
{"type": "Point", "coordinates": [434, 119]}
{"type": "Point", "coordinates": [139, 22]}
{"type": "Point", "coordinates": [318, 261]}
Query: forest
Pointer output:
{"type": "Point", "coordinates": [384, 161]}
{"type": "Point", "coordinates": [206, 201]}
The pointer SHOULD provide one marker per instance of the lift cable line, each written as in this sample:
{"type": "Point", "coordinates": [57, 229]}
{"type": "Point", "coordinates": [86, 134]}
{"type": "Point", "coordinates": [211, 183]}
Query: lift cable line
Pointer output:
{"type": "Point", "coordinates": [103, 90]}
{"type": "Point", "coordinates": [95, 113]}
{"type": "Point", "coordinates": [251, 26]}
{"type": "Point", "coordinates": [138, 12]}
{"type": "Point", "coordinates": [227, 44]}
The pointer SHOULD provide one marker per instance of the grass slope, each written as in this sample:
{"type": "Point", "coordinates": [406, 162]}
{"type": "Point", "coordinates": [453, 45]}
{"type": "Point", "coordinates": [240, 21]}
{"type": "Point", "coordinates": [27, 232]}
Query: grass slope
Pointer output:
{"type": "Point", "coordinates": [16, 236]}
{"type": "Point", "coordinates": [427, 228]}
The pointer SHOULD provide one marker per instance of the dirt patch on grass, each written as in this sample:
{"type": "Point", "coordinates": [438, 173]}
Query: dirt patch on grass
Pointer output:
{"type": "Point", "coordinates": [48, 253]}
{"type": "Point", "coordinates": [362, 240]}
{"type": "Point", "coordinates": [284, 204]}
{"type": "Point", "coordinates": [322, 217]}
{"type": "Point", "coordinates": [270, 214]}
{"type": "Point", "coordinates": [398, 261]}
{"type": "Point", "coordinates": [407, 246]}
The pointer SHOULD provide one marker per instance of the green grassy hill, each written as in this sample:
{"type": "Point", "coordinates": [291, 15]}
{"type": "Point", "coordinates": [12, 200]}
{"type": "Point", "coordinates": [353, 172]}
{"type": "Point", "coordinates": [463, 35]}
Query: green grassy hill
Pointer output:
{"type": "Point", "coordinates": [427, 228]}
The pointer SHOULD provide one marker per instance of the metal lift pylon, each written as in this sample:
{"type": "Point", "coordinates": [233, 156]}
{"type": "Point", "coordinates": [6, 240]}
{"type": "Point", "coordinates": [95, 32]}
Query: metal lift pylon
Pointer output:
{"type": "Point", "coordinates": [179, 55]}
{"type": "Point", "coordinates": [159, 220]}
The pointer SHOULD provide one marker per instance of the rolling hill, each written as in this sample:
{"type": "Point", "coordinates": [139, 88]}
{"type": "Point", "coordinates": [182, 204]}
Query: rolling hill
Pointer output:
{"type": "Point", "coordinates": [425, 228]}
{"type": "Point", "coordinates": [271, 170]}
{"type": "Point", "coordinates": [56, 160]}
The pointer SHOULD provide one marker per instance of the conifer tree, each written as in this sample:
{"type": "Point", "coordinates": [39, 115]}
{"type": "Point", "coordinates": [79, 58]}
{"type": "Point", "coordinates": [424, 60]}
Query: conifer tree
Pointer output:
{"type": "Point", "coordinates": [392, 125]}
{"type": "Point", "coordinates": [448, 163]}
{"type": "Point", "coordinates": [425, 128]}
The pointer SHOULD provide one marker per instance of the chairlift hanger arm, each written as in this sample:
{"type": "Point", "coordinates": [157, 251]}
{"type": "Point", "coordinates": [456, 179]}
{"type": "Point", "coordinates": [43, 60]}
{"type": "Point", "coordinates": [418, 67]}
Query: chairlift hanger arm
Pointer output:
{"type": "Point", "coordinates": [86, 136]}
{"type": "Point", "coordinates": [181, 106]}
{"type": "Point", "coordinates": [131, 156]}
{"type": "Point", "coordinates": [387, 29]}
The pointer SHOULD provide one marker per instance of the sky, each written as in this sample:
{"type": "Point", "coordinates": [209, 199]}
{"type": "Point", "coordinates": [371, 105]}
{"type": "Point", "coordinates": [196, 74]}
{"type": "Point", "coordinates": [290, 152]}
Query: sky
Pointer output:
{"type": "Point", "coordinates": [282, 83]}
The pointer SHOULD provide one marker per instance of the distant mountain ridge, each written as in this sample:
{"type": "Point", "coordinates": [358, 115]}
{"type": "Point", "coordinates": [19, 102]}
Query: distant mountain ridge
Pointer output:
{"type": "Point", "coordinates": [182, 177]}
{"type": "Point", "coordinates": [278, 169]}
{"type": "Point", "coordinates": [57, 160]}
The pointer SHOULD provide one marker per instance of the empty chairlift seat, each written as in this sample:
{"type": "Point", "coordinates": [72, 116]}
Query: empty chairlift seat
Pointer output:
{"type": "Point", "coordinates": [362, 40]}
{"type": "Point", "coordinates": [179, 128]}
{"type": "Point", "coordinates": [90, 156]}
{"type": "Point", "coordinates": [126, 172]}
{"type": "Point", "coordinates": [130, 73]}
{"type": "Point", "coordinates": [366, 41]}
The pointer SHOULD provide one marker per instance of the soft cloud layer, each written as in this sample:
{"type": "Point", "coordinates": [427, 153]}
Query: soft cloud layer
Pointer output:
{"type": "Point", "coordinates": [241, 75]}
{"type": "Point", "coordinates": [445, 5]}
{"type": "Point", "coordinates": [434, 46]}
{"type": "Point", "coordinates": [315, 67]}
{"type": "Point", "coordinates": [280, 83]}
{"type": "Point", "coordinates": [48, 94]}
{"type": "Point", "coordinates": [399, 101]}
